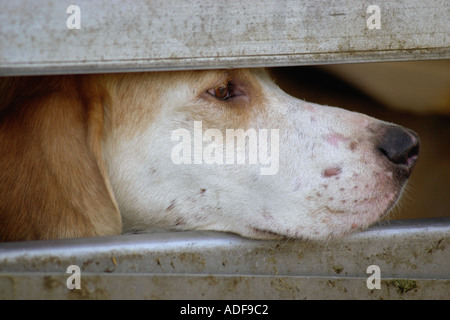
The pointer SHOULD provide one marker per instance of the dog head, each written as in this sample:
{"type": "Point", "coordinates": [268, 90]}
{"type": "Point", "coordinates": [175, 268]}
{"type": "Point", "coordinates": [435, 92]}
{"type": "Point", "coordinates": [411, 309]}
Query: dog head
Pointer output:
{"type": "Point", "coordinates": [222, 150]}
{"type": "Point", "coordinates": [227, 150]}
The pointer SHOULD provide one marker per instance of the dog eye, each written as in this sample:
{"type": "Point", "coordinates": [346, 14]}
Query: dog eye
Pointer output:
{"type": "Point", "coordinates": [222, 92]}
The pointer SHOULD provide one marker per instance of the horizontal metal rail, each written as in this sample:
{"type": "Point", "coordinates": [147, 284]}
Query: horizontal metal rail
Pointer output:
{"type": "Point", "coordinates": [412, 257]}
{"type": "Point", "coordinates": [53, 37]}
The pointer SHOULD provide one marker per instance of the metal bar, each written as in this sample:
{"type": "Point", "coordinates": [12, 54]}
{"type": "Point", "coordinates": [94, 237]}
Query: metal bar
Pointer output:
{"type": "Point", "coordinates": [412, 256]}
{"type": "Point", "coordinates": [149, 35]}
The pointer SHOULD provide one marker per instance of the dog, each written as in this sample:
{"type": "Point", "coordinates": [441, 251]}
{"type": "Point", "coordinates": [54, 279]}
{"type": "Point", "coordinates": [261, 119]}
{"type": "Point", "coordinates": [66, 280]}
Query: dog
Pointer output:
{"type": "Point", "coordinates": [93, 155]}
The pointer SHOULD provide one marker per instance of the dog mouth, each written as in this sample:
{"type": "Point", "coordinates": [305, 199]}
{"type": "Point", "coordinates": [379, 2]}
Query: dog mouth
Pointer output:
{"type": "Point", "coordinates": [342, 224]}
{"type": "Point", "coordinates": [393, 203]}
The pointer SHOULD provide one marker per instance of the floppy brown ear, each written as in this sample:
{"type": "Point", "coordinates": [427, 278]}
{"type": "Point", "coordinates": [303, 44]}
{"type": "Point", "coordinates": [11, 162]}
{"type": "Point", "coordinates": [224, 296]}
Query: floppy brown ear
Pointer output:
{"type": "Point", "coordinates": [53, 181]}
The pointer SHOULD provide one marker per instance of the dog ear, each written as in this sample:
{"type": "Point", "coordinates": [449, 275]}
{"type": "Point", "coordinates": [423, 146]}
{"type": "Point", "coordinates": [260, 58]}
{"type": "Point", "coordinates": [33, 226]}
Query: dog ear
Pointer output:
{"type": "Point", "coordinates": [53, 180]}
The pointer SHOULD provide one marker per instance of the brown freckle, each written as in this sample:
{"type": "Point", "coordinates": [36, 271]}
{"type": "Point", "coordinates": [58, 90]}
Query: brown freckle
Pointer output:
{"type": "Point", "coordinates": [180, 221]}
{"type": "Point", "coordinates": [343, 201]}
{"type": "Point", "coordinates": [341, 189]}
{"type": "Point", "coordinates": [355, 187]}
{"type": "Point", "coordinates": [355, 201]}
{"type": "Point", "coordinates": [330, 198]}
{"type": "Point", "coordinates": [318, 194]}
{"type": "Point", "coordinates": [202, 190]}
{"type": "Point", "coordinates": [353, 145]}
{"type": "Point", "coordinates": [171, 206]}
{"type": "Point", "coordinates": [325, 186]}
{"type": "Point", "coordinates": [330, 172]}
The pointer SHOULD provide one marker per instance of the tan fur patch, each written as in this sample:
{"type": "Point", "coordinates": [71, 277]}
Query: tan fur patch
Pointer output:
{"type": "Point", "coordinates": [53, 182]}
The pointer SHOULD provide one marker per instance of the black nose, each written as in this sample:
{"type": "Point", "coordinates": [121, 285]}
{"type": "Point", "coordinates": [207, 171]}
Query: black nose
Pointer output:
{"type": "Point", "coordinates": [400, 146]}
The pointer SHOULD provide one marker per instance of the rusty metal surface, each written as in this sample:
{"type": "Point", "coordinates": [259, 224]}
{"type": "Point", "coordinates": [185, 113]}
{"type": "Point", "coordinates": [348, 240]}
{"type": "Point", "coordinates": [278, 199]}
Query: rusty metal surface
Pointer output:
{"type": "Point", "coordinates": [148, 35]}
{"type": "Point", "coordinates": [413, 257]}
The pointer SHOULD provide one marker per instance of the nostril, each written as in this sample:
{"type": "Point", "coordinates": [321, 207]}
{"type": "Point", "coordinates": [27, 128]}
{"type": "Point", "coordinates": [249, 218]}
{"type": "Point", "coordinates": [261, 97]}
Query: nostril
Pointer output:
{"type": "Point", "coordinates": [400, 145]}
{"type": "Point", "coordinates": [413, 156]}
{"type": "Point", "coordinates": [414, 151]}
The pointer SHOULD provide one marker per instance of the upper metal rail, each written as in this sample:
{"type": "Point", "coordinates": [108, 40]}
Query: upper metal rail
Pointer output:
{"type": "Point", "coordinates": [53, 37]}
